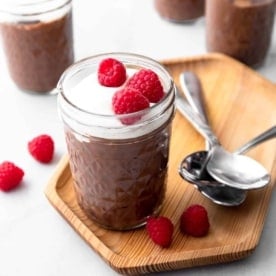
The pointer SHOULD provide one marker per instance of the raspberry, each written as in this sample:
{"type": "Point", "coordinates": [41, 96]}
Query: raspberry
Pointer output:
{"type": "Point", "coordinates": [194, 221]}
{"type": "Point", "coordinates": [111, 73]}
{"type": "Point", "coordinates": [10, 176]}
{"type": "Point", "coordinates": [128, 100]}
{"type": "Point", "coordinates": [148, 83]}
{"type": "Point", "coordinates": [42, 148]}
{"type": "Point", "coordinates": [160, 230]}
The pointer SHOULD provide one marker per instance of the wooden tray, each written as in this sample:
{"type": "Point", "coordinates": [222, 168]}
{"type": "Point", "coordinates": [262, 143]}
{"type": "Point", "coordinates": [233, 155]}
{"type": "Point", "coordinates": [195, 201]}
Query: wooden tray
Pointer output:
{"type": "Point", "coordinates": [240, 105]}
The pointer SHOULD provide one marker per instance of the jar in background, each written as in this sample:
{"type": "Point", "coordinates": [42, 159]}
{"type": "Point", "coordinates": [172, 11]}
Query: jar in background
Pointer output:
{"type": "Point", "coordinates": [241, 29]}
{"type": "Point", "coordinates": [37, 38]}
{"type": "Point", "coordinates": [119, 170]}
{"type": "Point", "coordinates": [180, 11]}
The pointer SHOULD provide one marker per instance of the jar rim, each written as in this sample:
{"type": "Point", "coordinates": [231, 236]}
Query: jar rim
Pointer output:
{"type": "Point", "coordinates": [31, 7]}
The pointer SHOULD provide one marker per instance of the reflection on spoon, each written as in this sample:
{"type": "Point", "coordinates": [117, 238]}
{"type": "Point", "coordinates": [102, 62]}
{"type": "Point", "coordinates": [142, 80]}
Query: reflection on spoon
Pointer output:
{"type": "Point", "coordinates": [191, 168]}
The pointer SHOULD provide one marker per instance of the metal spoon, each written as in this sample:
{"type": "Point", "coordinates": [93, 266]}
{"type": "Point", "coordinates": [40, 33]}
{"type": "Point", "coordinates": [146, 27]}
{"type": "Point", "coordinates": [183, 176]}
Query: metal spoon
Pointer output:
{"type": "Point", "coordinates": [234, 170]}
{"type": "Point", "coordinates": [191, 169]}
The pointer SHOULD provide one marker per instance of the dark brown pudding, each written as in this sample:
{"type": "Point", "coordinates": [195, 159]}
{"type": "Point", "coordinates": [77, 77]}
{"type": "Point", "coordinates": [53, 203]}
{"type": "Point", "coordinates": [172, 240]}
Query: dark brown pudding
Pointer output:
{"type": "Point", "coordinates": [240, 28]}
{"type": "Point", "coordinates": [180, 10]}
{"type": "Point", "coordinates": [125, 181]}
{"type": "Point", "coordinates": [38, 52]}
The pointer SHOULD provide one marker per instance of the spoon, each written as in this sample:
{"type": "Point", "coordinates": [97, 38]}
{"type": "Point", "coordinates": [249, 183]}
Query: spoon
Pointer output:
{"type": "Point", "coordinates": [192, 170]}
{"type": "Point", "coordinates": [234, 170]}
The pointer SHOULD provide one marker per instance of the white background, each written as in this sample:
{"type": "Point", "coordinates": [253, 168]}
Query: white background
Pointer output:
{"type": "Point", "coordinates": [34, 238]}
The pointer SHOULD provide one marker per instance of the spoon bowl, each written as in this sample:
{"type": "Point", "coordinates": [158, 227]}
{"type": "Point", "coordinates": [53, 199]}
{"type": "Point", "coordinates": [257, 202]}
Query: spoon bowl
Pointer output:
{"type": "Point", "coordinates": [191, 169]}
{"type": "Point", "coordinates": [235, 170]}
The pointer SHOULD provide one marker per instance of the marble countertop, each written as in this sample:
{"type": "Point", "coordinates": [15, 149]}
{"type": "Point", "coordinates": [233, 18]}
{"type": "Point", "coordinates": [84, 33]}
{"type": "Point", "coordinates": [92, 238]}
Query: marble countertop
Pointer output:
{"type": "Point", "coordinates": [34, 238]}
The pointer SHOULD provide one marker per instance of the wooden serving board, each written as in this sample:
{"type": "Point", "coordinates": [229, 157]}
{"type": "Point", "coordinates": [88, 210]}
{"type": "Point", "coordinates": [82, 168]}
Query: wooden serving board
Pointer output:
{"type": "Point", "coordinates": [240, 105]}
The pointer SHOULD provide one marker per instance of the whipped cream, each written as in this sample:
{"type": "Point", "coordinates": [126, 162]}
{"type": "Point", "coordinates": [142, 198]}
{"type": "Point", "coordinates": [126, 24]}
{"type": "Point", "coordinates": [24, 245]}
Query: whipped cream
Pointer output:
{"type": "Point", "coordinates": [93, 97]}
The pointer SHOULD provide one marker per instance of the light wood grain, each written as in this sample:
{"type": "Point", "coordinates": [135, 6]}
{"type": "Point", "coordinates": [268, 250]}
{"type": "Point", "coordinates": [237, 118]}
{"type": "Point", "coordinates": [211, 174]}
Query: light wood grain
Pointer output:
{"type": "Point", "coordinates": [240, 105]}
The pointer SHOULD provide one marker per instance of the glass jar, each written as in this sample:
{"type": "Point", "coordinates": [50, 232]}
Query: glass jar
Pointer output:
{"type": "Point", "coordinates": [119, 170]}
{"type": "Point", "coordinates": [241, 29]}
{"type": "Point", "coordinates": [180, 11]}
{"type": "Point", "coordinates": [37, 38]}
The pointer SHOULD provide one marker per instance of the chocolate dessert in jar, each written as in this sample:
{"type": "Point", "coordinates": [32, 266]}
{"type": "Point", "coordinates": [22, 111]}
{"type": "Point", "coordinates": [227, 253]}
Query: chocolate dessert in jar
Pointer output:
{"type": "Point", "coordinates": [241, 29]}
{"type": "Point", "coordinates": [118, 136]}
{"type": "Point", "coordinates": [180, 11]}
{"type": "Point", "coordinates": [37, 38]}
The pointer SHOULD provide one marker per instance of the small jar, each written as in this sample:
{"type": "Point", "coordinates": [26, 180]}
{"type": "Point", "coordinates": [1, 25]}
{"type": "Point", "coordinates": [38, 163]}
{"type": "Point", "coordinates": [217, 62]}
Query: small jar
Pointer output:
{"type": "Point", "coordinates": [119, 169]}
{"type": "Point", "coordinates": [241, 29]}
{"type": "Point", "coordinates": [180, 11]}
{"type": "Point", "coordinates": [37, 38]}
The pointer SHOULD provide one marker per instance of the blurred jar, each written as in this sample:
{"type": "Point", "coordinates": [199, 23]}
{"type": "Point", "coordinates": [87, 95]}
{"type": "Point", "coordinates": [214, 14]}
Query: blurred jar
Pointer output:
{"type": "Point", "coordinates": [180, 10]}
{"type": "Point", "coordinates": [37, 38]}
{"type": "Point", "coordinates": [241, 29]}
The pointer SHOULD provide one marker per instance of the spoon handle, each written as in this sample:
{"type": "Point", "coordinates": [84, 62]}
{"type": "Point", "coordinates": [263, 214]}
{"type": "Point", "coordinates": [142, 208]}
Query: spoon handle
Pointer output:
{"type": "Point", "coordinates": [196, 120]}
{"type": "Point", "coordinates": [191, 86]}
{"type": "Point", "coordinates": [268, 134]}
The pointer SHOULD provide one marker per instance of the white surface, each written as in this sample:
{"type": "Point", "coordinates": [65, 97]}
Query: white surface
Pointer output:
{"type": "Point", "coordinates": [34, 238]}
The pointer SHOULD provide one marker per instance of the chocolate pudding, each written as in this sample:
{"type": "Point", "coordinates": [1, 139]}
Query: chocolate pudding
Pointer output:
{"type": "Point", "coordinates": [180, 10]}
{"type": "Point", "coordinates": [38, 52]}
{"type": "Point", "coordinates": [119, 169]}
{"type": "Point", "coordinates": [241, 29]}
{"type": "Point", "coordinates": [118, 183]}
